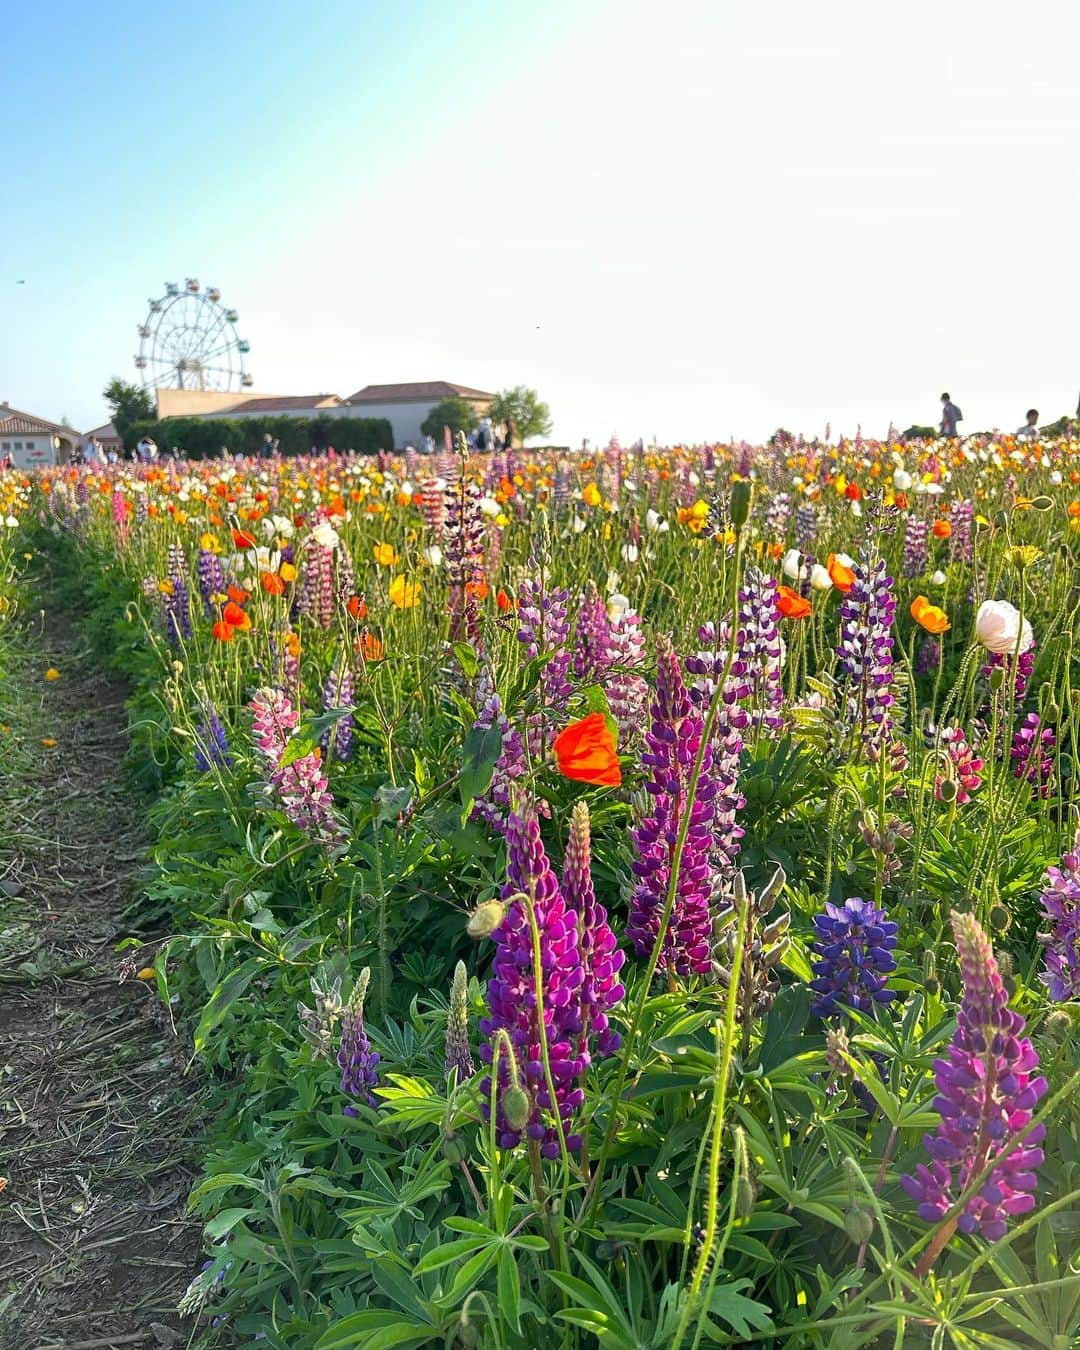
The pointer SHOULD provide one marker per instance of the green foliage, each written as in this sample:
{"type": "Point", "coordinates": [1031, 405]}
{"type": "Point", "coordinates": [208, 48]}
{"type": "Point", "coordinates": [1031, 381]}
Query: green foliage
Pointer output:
{"type": "Point", "coordinates": [523, 407]}
{"type": "Point", "coordinates": [128, 404]}
{"type": "Point", "coordinates": [455, 413]}
{"type": "Point", "coordinates": [204, 438]}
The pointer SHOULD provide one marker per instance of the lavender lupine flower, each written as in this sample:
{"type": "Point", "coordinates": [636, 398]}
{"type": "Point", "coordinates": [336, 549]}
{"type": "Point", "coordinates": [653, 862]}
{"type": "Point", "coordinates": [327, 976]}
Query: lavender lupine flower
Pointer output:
{"type": "Point", "coordinates": [760, 647]}
{"type": "Point", "coordinates": [961, 541]}
{"type": "Point", "coordinates": [517, 1006]}
{"type": "Point", "coordinates": [806, 527]}
{"type": "Point", "coordinates": [865, 648]}
{"type": "Point", "coordinates": [211, 578]}
{"type": "Point", "coordinates": [1032, 753]}
{"type": "Point", "coordinates": [591, 657]}
{"type": "Point", "coordinates": [493, 806]}
{"type": "Point", "coordinates": [916, 551]}
{"type": "Point", "coordinates": [1061, 905]}
{"type": "Point", "coordinates": [988, 1089]}
{"type": "Point", "coordinates": [316, 597]}
{"type": "Point", "coordinates": [627, 692]}
{"type": "Point", "coordinates": [542, 614]}
{"type": "Point", "coordinates": [854, 942]}
{"type": "Point", "coordinates": [672, 742]}
{"type": "Point", "coordinates": [458, 1056]}
{"type": "Point", "coordinates": [928, 657]}
{"type": "Point", "coordinates": [777, 515]}
{"type": "Point", "coordinates": [339, 693]}
{"type": "Point", "coordinates": [211, 743]}
{"type": "Point", "coordinates": [356, 1059]}
{"type": "Point", "coordinates": [727, 740]}
{"type": "Point", "coordinates": [177, 609]}
{"type": "Point", "coordinates": [601, 959]}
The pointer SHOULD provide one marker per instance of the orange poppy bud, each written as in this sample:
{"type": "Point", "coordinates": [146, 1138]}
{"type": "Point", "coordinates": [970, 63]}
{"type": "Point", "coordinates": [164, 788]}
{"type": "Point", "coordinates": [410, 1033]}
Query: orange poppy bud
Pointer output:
{"type": "Point", "coordinates": [272, 584]}
{"type": "Point", "coordinates": [586, 752]}
{"type": "Point", "coordinates": [792, 605]}
{"type": "Point", "coordinates": [223, 631]}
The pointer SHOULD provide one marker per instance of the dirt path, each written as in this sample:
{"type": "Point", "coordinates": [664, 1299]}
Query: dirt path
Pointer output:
{"type": "Point", "coordinates": [96, 1121]}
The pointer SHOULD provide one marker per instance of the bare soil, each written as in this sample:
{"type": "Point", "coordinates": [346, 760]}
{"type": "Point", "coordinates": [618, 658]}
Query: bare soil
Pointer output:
{"type": "Point", "coordinates": [97, 1120]}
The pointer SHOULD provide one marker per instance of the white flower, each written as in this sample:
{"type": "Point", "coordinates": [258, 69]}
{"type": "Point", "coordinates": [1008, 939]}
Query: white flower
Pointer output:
{"type": "Point", "coordinates": [629, 553]}
{"type": "Point", "coordinates": [617, 605]}
{"type": "Point", "coordinates": [856, 509]}
{"type": "Point", "coordinates": [325, 535]}
{"type": "Point", "coordinates": [612, 583]}
{"type": "Point", "coordinates": [902, 480]}
{"type": "Point", "coordinates": [578, 524]}
{"type": "Point", "coordinates": [433, 555]}
{"type": "Point", "coordinates": [845, 560]}
{"type": "Point", "coordinates": [489, 506]}
{"type": "Point", "coordinates": [998, 628]}
{"type": "Point", "coordinates": [1055, 478]}
{"type": "Point", "coordinates": [654, 521]}
{"type": "Point", "coordinates": [794, 567]}
{"type": "Point", "coordinates": [938, 579]}
{"type": "Point", "coordinates": [819, 578]}
{"type": "Point", "coordinates": [12, 523]}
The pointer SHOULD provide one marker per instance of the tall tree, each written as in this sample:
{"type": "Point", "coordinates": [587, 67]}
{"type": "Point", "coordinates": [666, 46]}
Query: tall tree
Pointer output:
{"type": "Point", "coordinates": [524, 407]}
{"type": "Point", "coordinates": [127, 404]}
{"type": "Point", "coordinates": [454, 413]}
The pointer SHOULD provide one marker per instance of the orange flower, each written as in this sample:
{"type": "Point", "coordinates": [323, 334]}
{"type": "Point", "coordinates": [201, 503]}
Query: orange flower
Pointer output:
{"type": "Point", "coordinates": [853, 492]}
{"type": "Point", "coordinates": [792, 605]}
{"type": "Point", "coordinates": [272, 584]}
{"type": "Point", "coordinates": [1073, 509]}
{"type": "Point", "coordinates": [586, 752]}
{"type": "Point", "coordinates": [929, 616]}
{"type": "Point", "coordinates": [238, 595]}
{"type": "Point", "coordinates": [223, 631]}
{"type": "Point", "coordinates": [357, 607]}
{"type": "Point", "coordinates": [841, 576]}
{"type": "Point", "coordinates": [503, 600]}
{"type": "Point", "coordinates": [242, 539]}
{"type": "Point", "coordinates": [478, 588]}
{"type": "Point", "coordinates": [292, 644]}
{"type": "Point", "coordinates": [371, 648]}
{"type": "Point", "coordinates": [234, 615]}
{"type": "Point", "coordinates": [942, 529]}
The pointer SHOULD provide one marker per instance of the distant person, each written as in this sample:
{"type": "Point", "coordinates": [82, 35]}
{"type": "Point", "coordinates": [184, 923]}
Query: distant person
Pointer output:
{"type": "Point", "coordinates": [485, 437]}
{"type": "Point", "coordinates": [8, 462]}
{"type": "Point", "coordinates": [508, 435]}
{"type": "Point", "coordinates": [1030, 429]}
{"type": "Point", "coordinates": [146, 451]}
{"type": "Point", "coordinates": [428, 445]}
{"type": "Point", "coordinates": [950, 415]}
{"type": "Point", "coordinates": [266, 450]}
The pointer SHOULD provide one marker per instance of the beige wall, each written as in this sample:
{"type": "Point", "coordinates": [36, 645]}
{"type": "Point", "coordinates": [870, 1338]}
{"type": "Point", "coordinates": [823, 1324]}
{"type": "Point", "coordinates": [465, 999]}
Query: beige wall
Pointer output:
{"type": "Point", "coordinates": [198, 402]}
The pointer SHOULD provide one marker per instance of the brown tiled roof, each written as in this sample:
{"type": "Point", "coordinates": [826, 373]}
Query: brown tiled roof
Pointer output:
{"type": "Point", "coordinates": [414, 393]}
{"type": "Point", "coordinates": [15, 423]}
{"type": "Point", "coordinates": [284, 402]}
{"type": "Point", "coordinates": [106, 433]}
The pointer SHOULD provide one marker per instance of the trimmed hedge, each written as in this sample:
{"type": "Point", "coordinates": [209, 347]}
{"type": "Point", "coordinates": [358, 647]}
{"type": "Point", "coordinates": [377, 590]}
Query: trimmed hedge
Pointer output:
{"type": "Point", "coordinates": [203, 438]}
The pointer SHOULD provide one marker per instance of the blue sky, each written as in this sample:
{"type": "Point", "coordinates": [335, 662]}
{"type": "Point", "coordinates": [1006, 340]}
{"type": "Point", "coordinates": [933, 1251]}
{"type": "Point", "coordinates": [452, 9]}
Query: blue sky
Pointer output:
{"type": "Point", "coordinates": [689, 220]}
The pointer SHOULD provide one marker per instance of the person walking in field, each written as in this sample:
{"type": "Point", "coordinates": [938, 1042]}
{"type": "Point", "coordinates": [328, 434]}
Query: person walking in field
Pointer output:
{"type": "Point", "coordinates": [1030, 430]}
{"type": "Point", "coordinates": [950, 415]}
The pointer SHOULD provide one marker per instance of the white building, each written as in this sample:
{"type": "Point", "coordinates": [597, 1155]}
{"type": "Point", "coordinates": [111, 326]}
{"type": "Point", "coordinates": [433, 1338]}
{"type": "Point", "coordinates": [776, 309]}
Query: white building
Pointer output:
{"type": "Point", "coordinates": [31, 441]}
{"type": "Point", "coordinates": [405, 406]}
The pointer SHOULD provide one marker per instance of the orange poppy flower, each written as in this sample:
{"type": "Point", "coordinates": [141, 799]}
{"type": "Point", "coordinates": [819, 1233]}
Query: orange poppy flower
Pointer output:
{"type": "Point", "coordinates": [929, 616]}
{"type": "Point", "coordinates": [292, 644]}
{"type": "Point", "coordinates": [792, 605]}
{"type": "Point", "coordinates": [853, 492]}
{"type": "Point", "coordinates": [371, 648]}
{"type": "Point", "coordinates": [503, 600]}
{"type": "Point", "coordinates": [242, 539]}
{"type": "Point", "coordinates": [357, 607]}
{"type": "Point", "coordinates": [480, 589]}
{"type": "Point", "coordinates": [586, 752]}
{"type": "Point", "coordinates": [238, 595]}
{"type": "Point", "coordinates": [223, 631]}
{"type": "Point", "coordinates": [233, 614]}
{"type": "Point", "coordinates": [841, 576]}
{"type": "Point", "coordinates": [1073, 509]}
{"type": "Point", "coordinates": [942, 529]}
{"type": "Point", "coordinates": [272, 584]}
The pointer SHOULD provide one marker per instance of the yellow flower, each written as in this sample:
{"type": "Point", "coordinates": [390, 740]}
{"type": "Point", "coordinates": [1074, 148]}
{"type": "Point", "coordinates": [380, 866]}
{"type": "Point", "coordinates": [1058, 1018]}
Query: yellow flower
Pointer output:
{"type": "Point", "coordinates": [52, 673]}
{"type": "Point", "coordinates": [5, 730]}
{"type": "Point", "coordinates": [287, 572]}
{"type": "Point", "coordinates": [502, 520]}
{"type": "Point", "coordinates": [209, 542]}
{"type": "Point", "coordinates": [385, 555]}
{"type": "Point", "coordinates": [48, 742]}
{"type": "Point", "coordinates": [165, 587]}
{"type": "Point", "coordinates": [592, 495]}
{"type": "Point", "coordinates": [404, 594]}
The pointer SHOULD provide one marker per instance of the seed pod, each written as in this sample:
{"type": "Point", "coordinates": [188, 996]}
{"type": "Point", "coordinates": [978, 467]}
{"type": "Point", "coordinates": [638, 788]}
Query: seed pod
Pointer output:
{"type": "Point", "coordinates": [1000, 921]}
{"type": "Point", "coordinates": [997, 678]}
{"type": "Point", "coordinates": [948, 790]}
{"type": "Point", "coordinates": [1000, 519]}
{"type": "Point", "coordinates": [1042, 503]}
{"type": "Point", "coordinates": [516, 1107]}
{"type": "Point", "coordinates": [741, 493]}
{"type": "Point", "coordinates": [859, 1225]}
{"type": "Point", "coordinates": [1058, 1025]}
{"type": "Point", "coordinates": [485, 918]}
{"type": "Point", "coordinates": [453, 1149]}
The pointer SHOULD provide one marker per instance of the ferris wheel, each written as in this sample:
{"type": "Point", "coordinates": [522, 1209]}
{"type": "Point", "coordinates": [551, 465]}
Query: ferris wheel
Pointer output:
{"type": "Point", "coordinates": [188, 340]}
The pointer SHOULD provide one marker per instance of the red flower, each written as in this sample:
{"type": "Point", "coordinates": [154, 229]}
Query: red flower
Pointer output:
{"type": "Point", "coordinates": [234, 615]}
{"type": "Point", "coordinates": [792, 605]}
{"type": "Point", "coordinates": [242, 539]}
{"type": "Point", "coordinates": [586, 752]}
{"type": "Point", "coordinates": [238, 595]}
{"type": "Point", "coordinates": [272, 584]}
{"type": "Point", "coordinates": [223, 631]}
{"type": "Point", "coordinates": [357, 607]}
{"type": "Point", "coordinates": [503, 600]}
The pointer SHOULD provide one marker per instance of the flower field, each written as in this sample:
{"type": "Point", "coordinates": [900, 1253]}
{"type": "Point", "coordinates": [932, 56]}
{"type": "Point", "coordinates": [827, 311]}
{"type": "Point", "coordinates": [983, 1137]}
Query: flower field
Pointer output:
{"type": "Point", "coordinates": [629, 901]}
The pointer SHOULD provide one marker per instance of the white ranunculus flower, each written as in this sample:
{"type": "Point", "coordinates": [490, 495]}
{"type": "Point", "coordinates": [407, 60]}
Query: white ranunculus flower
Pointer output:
{"type": "Point", "coordinates": [938, 579]}
{"type": "Point", "coordinates": [433, 555]}
{"type": "Point", "coordinates": [612, 583]}
{"type": "Point", "coordinates": [901, 480]}
{"type": "Point", "coordinates": [856, 509]}
{"type": "Point", "coordinates": [998, 628]}
{"type": "Point", "coordinates": [617, 605]}
{"type": "Point", "coordinates": [325, 535]}
{"type": "Point", "coordinates": [819, 578]}
{"type": "Point", "coordinates": [794, 567]}
{"type": "Point", "coordinates": [11, 523]}
{"type": "Point", "coordinates": [629, 553]}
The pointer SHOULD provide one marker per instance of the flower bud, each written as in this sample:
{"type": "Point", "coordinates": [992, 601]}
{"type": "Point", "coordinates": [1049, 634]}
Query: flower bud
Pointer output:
{"type": "Point", "coordinates": [453, 1149]}
{"type": "Point", "coordinates": [1058, 1025]}
{"type": "Point", "coordinates": [1052, 713]}
{"type": "Point", "coordinates": [744, 1198]}
{"type": "Point", "coordinates": [485, 918]}
{"type": "Point", "coordinates": [516, 1107]}
{"type": "Point", "coordinates": [1001, 519]}
{"type": "Point", "coordinates": [859, 1225]}
{"type": "Point", "coordinates": [740, 502]}
{"type": "Point", "coordinates": [948, 790]}
{"type": "Point", "coordinates": [1000, 920]}
{"type": "Point", "coordinates": [997, 679]}
{"type": "Point", "coordinates": [1042, 503]}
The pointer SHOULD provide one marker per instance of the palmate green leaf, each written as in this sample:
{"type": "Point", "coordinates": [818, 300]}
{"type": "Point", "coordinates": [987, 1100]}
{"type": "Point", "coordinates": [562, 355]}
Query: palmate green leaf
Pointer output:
{"type": "Point", "coordinates": [451, 1251]}
{"type": "Point", "coordinates": [742, 1314]}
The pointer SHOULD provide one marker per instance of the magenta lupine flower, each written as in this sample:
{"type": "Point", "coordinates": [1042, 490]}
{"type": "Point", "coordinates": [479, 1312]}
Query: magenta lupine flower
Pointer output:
{"type": "Point", "coordinates": [600, 957]}
{"type": "Point", "coordinates": [916, 551]}
{"type": "Point", "coordinates": [433, 506]}
{"type": "Point", "coordinates": [1032, 753]}
{"type": "Point", "coordinates": [339, 693]}
{"type": "Point", "coordinates": [988, 1089]}
{"type": "Point", "coordinates": [516, 1004]}
{"type": "Point", "coordinates": [672, 744]}
{"type": "Point", "coordinates": [1025, 664]}
{"type": "Point", "coordinates": [302, 785]}
{"type": "Point", "coordinates": [494, 805]}
{"type": "Point", "coordinates": [966, 766]}
{"type": "Point", "coordinates": [1061, 905]}
{"type": "Point", "coordinates": [865, 649]}
{"type": "Point", "coordinates": [275, 721]}
{"type": "Point", "coordinates": [759, 647]}
{"type": "Point", "coordinates": [961, 541]}
{"type": "Point", "coordinates": [120, 518]}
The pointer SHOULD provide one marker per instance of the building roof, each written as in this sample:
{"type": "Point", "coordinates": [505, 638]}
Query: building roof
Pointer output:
{"type": "Point", "coordinates": [282, 403]}
{"type": "Point", "coordinates": [106, 433]}
{"type": "Point", "coordinates": [423, 392]}
{"type": "Point", "coordinates": [15, 423]}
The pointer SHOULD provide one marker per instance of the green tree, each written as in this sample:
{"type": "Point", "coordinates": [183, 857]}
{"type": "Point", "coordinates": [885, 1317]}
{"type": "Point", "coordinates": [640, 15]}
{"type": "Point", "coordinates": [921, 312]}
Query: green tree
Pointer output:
{"type": "Point", "coordinates": [524, 407]}
{"type": "Point", "coordinates": [454, 413]}
{"type": "Point", "coordinates": [127, 404]}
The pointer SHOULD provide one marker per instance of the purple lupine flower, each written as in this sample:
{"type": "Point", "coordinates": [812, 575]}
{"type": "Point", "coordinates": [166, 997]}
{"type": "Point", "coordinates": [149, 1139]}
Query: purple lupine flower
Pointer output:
{"type": "Point", "coordinates": [727, 739]}
{"type": "Point", "coordinates": [339, 693]}
{"type": "Point", "coordinates": [806, 527]}
{"type": "Point", "coordinates": [1061, 905]}
{"type": "Point", "coordinates": [854, 942]}
{"type": "Point", "coordinates": [760, 647]}
{"type": "Point", "coordinates": [865, 649]}
{"type": "Point", "coordinates": [211, 743]}
{"type": "Point", "coordinates": [928, 657]}
{"type": "Point", "coordinates": [916, 551]}
{"type": "Point", "coordinates": [517, 1006]}
{"type": "Point", "coordinates": [988, 1089]}
{"type": "Point", "coordinates": [1032, 752]}
{"type": "Point", "coordinates": [601, 959]}
{"type": "Point", "coordinates": [1025, 665]}
{"type": "Point", "coordinates": [316, 595]}
{"type": "Point", "coordinates": [493, 806]}
{"type": "Point", "coordinates": [961, 540]}
{"type": "Point", "coordinates": [177, 609]}
{"type": "Point", "coordinates": [560, 488]}
{"type": "Point", "coordinates": [542, 614]}
{"type": "Point", "coordinates": [672, 742]}
{"type": "Point", "coordinates": [777, 515]}
{"type": "Point", "coordinates": [627, 692]}
{"type": "Point", "coordinates": [211, 578]}
{"type": "Point", "coordinates": [356, 1059]}
{"type": "Point", "coordinates": [591, 658]}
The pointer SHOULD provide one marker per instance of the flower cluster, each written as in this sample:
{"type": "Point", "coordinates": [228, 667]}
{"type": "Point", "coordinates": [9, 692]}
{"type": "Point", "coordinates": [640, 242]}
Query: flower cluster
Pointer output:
{"type": "Point", "coordinates": [211, 743]}
{"type": "Point", "coordinates": [760, 647]}
{"type": "Point", "coordinates": [988, 1089]}
{"type": "Point", "coordinates": [916, 552]}
{"type": "Point", "coordinates": [1032, 752]}
{"type": "Point", "coordinates": [854, 944]}
{"type": "Point", "coordinates": [1061, 906]}
{"type": "Point", "coordinates": [601, 959]}
{"type": "Point", "coordinates": [356, 1059]}
{"type": "Point", "coordinates": [339, 693]}
{"type": "Point", "coordinates": [965, 767]}
{"type": "Point", "coordinates": [301, 784]}
{"type": "Point", "coordinates": [866, 646]}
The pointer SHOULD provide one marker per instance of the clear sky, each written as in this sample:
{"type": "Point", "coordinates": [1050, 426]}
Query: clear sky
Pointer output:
{"type": "Point", "coordinates": [693, 219]}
